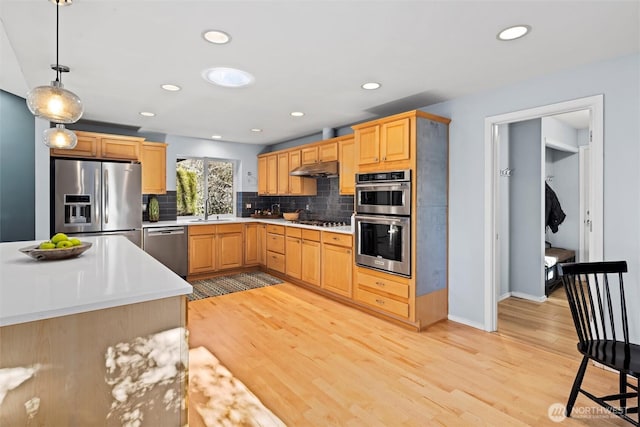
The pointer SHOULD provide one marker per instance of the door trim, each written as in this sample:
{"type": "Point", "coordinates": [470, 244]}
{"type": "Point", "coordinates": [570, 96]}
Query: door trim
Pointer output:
{"type": "Point", "coordinates": [592, 103]}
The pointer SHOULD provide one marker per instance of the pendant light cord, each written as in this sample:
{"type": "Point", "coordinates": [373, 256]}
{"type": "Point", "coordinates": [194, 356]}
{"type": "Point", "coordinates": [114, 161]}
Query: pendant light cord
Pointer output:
{"type": "Point", "coordinates": [58, 73]}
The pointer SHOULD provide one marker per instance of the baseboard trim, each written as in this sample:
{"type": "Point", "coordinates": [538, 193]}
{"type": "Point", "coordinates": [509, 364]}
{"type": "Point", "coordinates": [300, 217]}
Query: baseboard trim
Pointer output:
{"type": "Point", "coordinates": [504, 296]}
{"type": "Point", "coordinates": [467, 322]}
{"type": "Point", "coordinates": [528, 297]}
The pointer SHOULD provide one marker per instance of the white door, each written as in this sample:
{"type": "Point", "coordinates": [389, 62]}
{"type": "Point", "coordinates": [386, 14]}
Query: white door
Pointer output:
{"type": "Point", "coordinates": [585, 203]}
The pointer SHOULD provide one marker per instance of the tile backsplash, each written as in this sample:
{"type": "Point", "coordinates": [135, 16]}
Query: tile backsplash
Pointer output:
{"type": "Point", "coordinates": [167, 204]}
{"type": "Point", "coordinates": [327, 204]}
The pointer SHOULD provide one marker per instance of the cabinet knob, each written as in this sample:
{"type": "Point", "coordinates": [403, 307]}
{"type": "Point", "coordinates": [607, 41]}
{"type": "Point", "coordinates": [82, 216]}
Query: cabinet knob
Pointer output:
{"type": "Point", "coordinates": [379, 301]}
{"type": "Point", "coordinates": [348, 251]}
{"type": "Point", "coordinates": [384, 158]}
{"type": "Point", "coordinates": [375, 159]}
{"type": "Point", "coordinates": [380, 284]}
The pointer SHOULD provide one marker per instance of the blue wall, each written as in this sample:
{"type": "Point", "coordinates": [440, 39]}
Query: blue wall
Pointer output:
{"type": "Point", "coordinates": [17, 169]}
{"type": "Point", "coordinates": [619, 80]}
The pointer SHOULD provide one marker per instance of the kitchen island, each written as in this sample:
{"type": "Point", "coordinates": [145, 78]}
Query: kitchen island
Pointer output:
{"type": "Point", "coordinates": [95, 340]}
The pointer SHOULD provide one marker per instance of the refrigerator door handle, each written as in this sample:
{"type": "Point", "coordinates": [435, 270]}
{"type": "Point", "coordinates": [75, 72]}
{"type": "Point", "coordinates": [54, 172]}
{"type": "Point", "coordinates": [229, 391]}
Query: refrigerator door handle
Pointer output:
{"type": "Point", "coordinates": [106, 196]}
{"type": "Point", "coordinates": [96, 202]}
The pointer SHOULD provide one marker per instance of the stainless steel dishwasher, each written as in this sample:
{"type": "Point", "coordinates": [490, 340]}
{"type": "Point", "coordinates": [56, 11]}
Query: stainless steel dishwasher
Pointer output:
{"type": "Point", "coordinates": [169, 245]}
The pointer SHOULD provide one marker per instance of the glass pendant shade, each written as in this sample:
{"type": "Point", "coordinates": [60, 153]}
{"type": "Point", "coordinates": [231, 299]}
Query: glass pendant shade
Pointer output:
{"type": "Point", "coordinates": [55, 103]}
{"type": "Point", "coordinates": [59, 137]}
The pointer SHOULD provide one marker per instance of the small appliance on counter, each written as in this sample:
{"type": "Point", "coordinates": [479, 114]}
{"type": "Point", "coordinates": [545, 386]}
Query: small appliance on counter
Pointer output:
{"type": "Point", "coordinates": [91, 198]}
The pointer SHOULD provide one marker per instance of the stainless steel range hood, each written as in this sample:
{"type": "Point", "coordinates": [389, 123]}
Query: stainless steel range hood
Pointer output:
{"type": "Point", "coordinates": [317, 170]}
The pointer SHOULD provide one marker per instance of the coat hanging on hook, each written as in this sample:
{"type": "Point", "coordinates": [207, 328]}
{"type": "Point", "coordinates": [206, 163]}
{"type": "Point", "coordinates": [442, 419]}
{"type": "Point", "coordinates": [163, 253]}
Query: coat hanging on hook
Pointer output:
{"type": "Point", "coordinates": [554, 216]}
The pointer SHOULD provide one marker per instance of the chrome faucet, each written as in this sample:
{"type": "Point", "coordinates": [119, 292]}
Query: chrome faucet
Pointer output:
{"type": "Point", "coordinates": [275, 208]}
{"type": "Point", "coordinates": [206, 210]}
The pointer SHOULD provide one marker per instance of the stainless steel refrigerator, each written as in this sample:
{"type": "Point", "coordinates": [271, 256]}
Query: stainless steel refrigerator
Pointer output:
{"type": "Point", "coordinates": [96, 198]}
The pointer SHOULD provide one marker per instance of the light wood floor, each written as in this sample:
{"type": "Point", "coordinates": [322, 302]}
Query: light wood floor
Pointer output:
{"type": "Point", "coordinates": [315, 362]}
{"type": "Point", "coordinates": [547, 324]}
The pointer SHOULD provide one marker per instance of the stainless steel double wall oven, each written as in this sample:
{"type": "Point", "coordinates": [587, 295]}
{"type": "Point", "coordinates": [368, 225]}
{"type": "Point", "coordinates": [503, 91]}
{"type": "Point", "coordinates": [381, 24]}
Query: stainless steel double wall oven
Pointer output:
{"type": "Point", "coordinates": [383, 221]}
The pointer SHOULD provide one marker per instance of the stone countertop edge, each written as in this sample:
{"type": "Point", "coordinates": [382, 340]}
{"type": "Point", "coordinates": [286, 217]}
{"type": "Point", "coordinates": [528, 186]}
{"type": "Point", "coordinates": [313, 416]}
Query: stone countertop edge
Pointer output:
{"type": "Point", "coordinates": [113, 272]}
{"type": "Point", "coordinates": [343, 229]}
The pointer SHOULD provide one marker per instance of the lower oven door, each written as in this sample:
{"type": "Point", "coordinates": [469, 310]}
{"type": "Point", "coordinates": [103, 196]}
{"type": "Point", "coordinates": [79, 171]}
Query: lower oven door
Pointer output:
{"type": "Point", "coordinates": [384, 243]}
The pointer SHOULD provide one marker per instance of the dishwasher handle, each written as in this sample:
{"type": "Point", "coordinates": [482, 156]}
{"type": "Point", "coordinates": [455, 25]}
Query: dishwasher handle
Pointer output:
{"type": "Point", "coordinates": [164, 231]}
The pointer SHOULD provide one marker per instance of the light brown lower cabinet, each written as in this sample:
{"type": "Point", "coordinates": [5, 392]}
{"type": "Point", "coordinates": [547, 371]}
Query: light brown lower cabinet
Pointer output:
{"type": "Point", "coordinates": [251, 244]}
{"type": "Point", "coordinates": [310, 254]}
{"type": "Point", "coordinates": [293, 249]}
{"type": "Point", "coordinates": [337, 263]}
{"type": "Point", "coordinates": [215, 247]}
{"type": "Point", "coordinates": [276, 248]}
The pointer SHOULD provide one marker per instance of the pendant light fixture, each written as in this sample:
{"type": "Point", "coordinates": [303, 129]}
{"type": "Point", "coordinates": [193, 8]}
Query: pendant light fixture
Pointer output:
{"type": "Point", "coordinates": [54, 102]}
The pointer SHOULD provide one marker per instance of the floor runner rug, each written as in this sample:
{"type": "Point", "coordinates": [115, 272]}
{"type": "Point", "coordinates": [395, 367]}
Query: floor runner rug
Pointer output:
{"type": "Point", "coordinates": [227, 284]}
{"type": "Point", "coordinates": [217, 398]}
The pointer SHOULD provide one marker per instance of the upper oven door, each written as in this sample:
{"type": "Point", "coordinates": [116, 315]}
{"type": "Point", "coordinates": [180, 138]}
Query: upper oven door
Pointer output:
{"type": "Point", "coordinates": [384, 198]}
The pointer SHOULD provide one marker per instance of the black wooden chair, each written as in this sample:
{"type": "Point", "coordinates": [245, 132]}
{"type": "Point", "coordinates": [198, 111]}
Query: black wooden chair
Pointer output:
{"type": "Point", "coordinates": [595, 292]}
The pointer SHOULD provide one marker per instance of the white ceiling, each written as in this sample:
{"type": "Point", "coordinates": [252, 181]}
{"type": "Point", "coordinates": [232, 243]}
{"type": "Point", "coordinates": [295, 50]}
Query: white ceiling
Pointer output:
{"type": "Point", "coordinates": [310, 56]}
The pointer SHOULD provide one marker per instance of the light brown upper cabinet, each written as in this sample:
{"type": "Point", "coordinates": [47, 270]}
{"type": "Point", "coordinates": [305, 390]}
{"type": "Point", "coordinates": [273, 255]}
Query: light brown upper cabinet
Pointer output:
{"type": "Point", "coordinates": [272, 174]}
{"type": "Point", "coordinates": [154, 168]}
{"type": "Point", "coordinates": [262, 175]}
{"type": "Point", "coordinates": [102, 146]}
{"type": "Point", "coordinates": [283, 173]}
{"type": "Point", "coordinates": [347, 165]}
{"type": "Point", "coordinates": [384, 144]}
{"type": "Point", "coordinates": [87, 147]}
{"type": "Point", "coordinates": [274, 178]}
{"type": "Point", "coordinates": [323, 152]}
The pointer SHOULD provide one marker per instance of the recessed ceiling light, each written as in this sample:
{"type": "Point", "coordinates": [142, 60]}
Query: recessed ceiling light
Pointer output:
{"type": "Point", "coordinates": [297, 114]}
{"type": "Point", "coordinates": [216, 36]}
{"type": "Point", "coordinates": [147, 113]}
{"type": "Point", "coordinates": [371, 86]}
{"type": "Point", "coordinates": [216, 136]}
{"type": "Point", "coordinates": [256, 130]}
{"type": "Point", "coordinates": [227, 77]}
{"type": "Point", "coordinates": [170, 87]}
{"type": "Point", "coordinates": [514, 32]}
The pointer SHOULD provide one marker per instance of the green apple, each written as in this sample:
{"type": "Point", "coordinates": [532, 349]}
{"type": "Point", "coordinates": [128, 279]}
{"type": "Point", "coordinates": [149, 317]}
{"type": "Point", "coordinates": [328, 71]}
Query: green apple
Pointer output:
{"type": "Point", "coordinates": [75, 241]}
{"type": "Point", "coordinates": [47, 245]}
{"type": "Point", "coordinates": [59, 237]}
{"type": "Point", "coordinates": [64, 244]}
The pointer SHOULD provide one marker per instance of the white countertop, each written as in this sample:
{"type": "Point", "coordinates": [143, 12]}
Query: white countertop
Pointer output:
{"type": "Point", "coordinates": [112, 273]}
{"type": "Point", "coordinates": [278, 221]}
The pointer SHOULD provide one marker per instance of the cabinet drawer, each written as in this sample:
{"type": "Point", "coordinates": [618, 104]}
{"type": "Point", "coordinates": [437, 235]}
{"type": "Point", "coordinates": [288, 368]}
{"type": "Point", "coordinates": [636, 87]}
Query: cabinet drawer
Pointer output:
{"type": "Point", "coordinates": [275, 243]}
{"type": "Point", "coordinates": [294, 232]}
{"type": "Point", "coordinates": [198, 230]}
{"type": "Point", "coordinates": [275, 261]}
{"type": "Point", "coordinates": [382, 303]}
{"type": "Point", "coordinates": [230, 228]}
{"type": "Point", "coordinates": [384, 285]}
{"type": "Point", "coordinates": [275, 229]}
{"type": "Point", "coordinates": [336, 239]}
{"type": "Point", "coordinates": [311, 235]}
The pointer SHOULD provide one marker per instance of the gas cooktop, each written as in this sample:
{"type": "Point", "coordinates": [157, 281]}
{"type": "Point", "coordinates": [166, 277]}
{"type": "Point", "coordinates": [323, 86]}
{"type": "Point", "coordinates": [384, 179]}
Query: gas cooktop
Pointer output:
{"type": "Point", "coordinates": [321, 222]}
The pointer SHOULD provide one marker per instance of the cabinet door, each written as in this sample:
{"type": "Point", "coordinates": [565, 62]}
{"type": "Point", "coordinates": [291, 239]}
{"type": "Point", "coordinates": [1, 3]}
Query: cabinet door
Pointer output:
{"type": "Point", "coordinates": [262, 244]}
{"type": "Point", "coordinates": [283, 173]}
{"type": "Point", "coordinates": [202, 253]}
{"type": "Point", "coordinates": [272, 174]}
{"type": "Point", "coordinates": [251, 244]}
{"type": "Point", "coordinates": [229, 250]}
{"type": "Point", "coordinates": [309, 155]}
{"type": "Point", "coordinates": [368, 145]}
{"type": "Point", "coordinates": [262, 175]}
{"type": "Point", "coordinates": [337, 269]}
{"type": "Point", "coordinates": [347, 166]}
{"type": "Point", "coordinates": [293, 258]}
{"type": "Point", "coordinates": [328, 152]}
{"type": "Point", "coordinates": [87, 147]}
{"type": "Point", "coordinates": [394, 140]}
{"type": "Point", "coordinates": [119, 149]}
{"type": "Point", "coordinates": [310, 272]}
{"type": "Point", "coordinates": [154, 168]}
{"type": "Point", "coordinates": [295, 182]}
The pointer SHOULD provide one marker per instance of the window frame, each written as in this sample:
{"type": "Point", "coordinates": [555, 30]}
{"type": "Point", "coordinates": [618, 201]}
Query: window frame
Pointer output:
{"type": "Point", "coordinates": [206, 160]}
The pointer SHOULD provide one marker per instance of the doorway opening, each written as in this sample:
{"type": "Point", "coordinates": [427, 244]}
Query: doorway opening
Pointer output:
{"type": "Point", "coordinates": [526, 121]}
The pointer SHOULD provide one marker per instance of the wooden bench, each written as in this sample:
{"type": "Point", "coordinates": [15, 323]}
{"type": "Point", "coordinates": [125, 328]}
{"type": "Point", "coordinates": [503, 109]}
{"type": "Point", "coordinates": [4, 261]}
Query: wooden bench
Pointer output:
{"type": "Point", "coordinates": [561, 255]}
